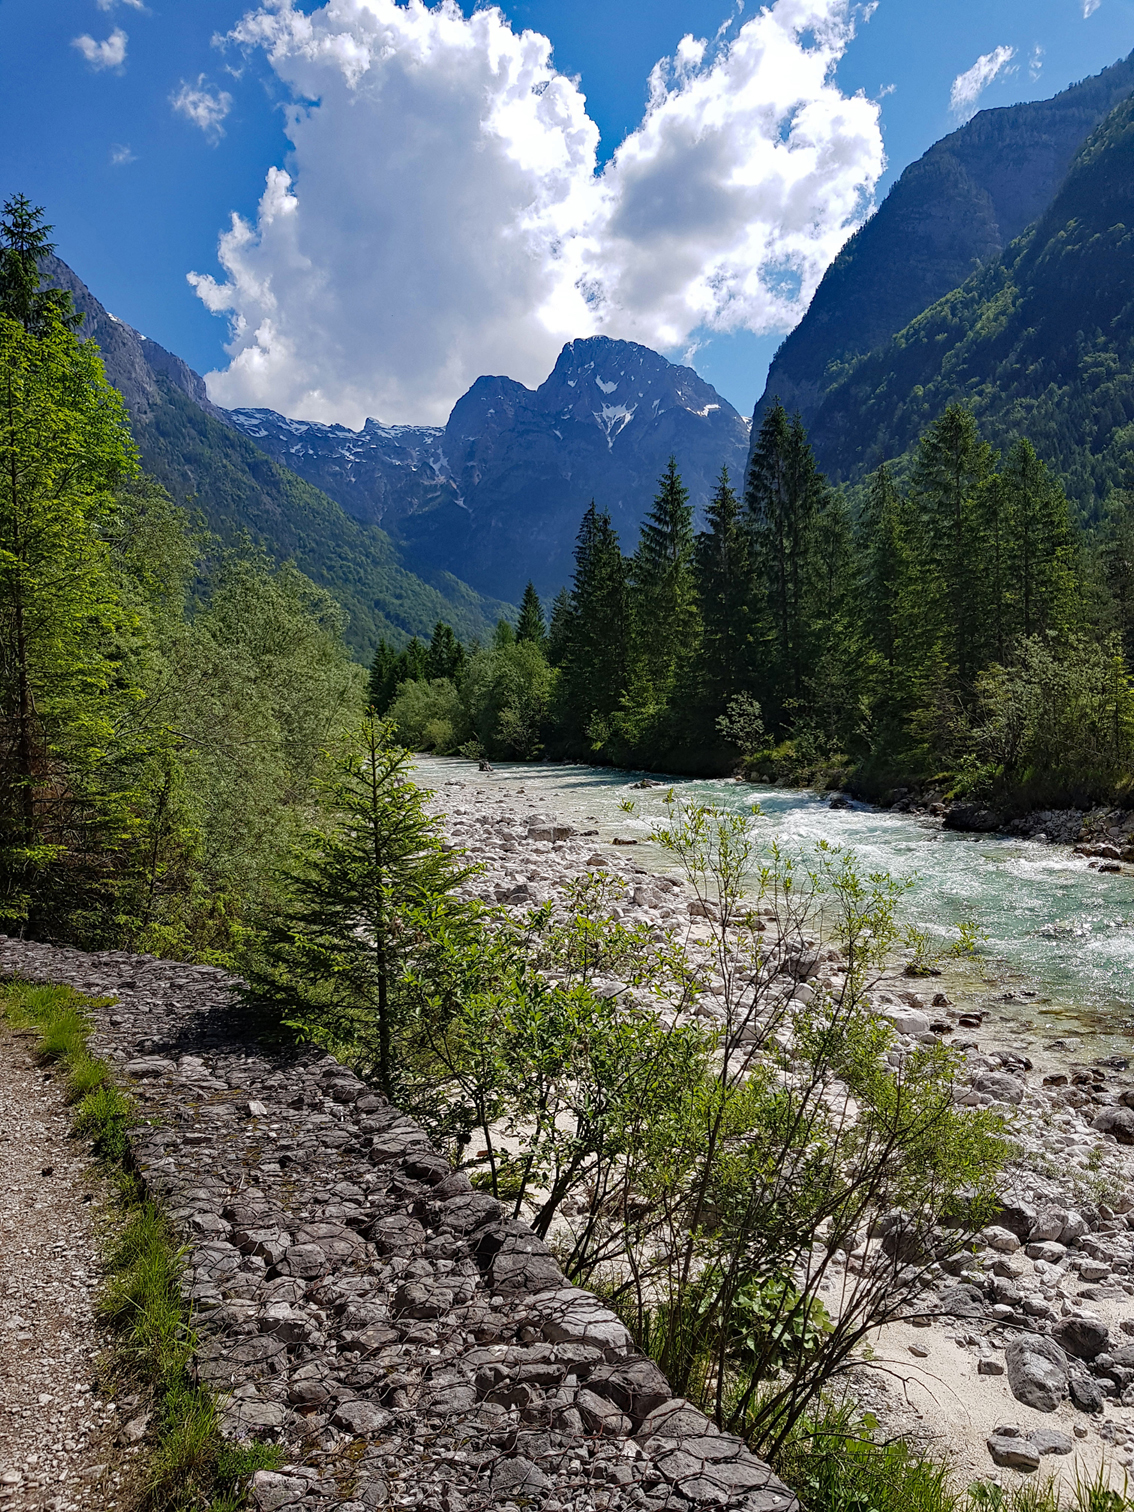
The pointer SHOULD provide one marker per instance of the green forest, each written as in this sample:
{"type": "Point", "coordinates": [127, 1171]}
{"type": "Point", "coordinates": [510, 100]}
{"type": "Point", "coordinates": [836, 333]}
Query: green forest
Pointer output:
{"type": "Point", "coordinates": [959, 630]}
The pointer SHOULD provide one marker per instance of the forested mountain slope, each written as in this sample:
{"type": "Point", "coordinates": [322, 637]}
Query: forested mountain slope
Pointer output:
{"type": "Point", "coordinates": [1040, 342]}
{"type": "Point", "coordinates": [188, 445]}
{"type": "Point", "coordinates": [959, 205]}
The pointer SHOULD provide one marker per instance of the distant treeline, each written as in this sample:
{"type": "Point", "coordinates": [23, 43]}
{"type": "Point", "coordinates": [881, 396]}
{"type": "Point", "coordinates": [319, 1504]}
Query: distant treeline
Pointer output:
{"type": "Point", "coordinates": [954, 627]}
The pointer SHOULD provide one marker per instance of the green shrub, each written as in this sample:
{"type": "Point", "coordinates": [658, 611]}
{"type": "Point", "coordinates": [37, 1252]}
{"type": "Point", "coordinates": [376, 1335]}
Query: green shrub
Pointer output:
{"type": "Point", "coordinates": [429, 716]}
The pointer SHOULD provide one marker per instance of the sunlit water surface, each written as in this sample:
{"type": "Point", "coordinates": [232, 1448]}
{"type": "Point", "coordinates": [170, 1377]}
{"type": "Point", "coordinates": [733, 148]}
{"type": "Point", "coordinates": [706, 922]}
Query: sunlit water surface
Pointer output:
{"type": "Point", "coordinates": [1060, 938]}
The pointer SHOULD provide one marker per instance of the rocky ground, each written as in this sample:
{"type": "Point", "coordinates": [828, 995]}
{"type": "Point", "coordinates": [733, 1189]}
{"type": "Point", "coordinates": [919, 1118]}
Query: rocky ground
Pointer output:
{"type": "Point", "coordinates": [359, 1303]}
{"type": "Point", "coordinates": [1031, 1357]}
{"type": "Point", "coordinates": [58, 1447]}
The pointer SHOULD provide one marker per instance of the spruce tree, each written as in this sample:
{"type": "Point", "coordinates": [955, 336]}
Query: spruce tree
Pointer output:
{"type": "Point", "coordinates": [1039, 545]}
{"type": "Point", "coordinates": [952, 468]}
{"type": "Point", "coordinates": [530, 626]}
{"type": "Point", "coordinates": [24, 242]}
{"type": "Point", "coordinates": [664, 591]}
{"type": "Point", "coordinates": [383, 677]}
{"type": "Point", "coordinates": [784, 493]}
{"type": "Point", "coordinates": [597, 640]}
{"type": "Point", "coordinates": [559, 630]}
{"type": "Point", "coordinates": [445, 656]}
{"type": "Point", "coordinates": [730, 601]}
{"type": "Point", "coordinates": [360, 894]}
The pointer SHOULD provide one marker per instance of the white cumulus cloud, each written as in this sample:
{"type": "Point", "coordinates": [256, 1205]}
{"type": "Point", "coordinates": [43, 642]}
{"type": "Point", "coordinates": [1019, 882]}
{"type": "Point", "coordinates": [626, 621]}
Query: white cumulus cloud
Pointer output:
{"type": "Point", "coordinates": [121, 154]}
{"type": "Point", "coordinates": [1090, 7]}
{"type": "Point", "coordinates": [203, 106]}
{"type": "Point", "coordinates": [441, 214]}
{"type": "Point", "coordinates": [108, 54]}
{"type": "Point", "coordinates": [970, 85]}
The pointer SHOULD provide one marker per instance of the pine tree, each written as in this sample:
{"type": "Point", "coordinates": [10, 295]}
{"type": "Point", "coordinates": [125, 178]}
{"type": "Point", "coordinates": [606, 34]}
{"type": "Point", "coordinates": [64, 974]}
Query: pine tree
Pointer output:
{"type": "Point", "coordinates": [664, 591]}
{"type": "Point", "coordinates": [530, 626]}
{"type": "Point", "coordinates": [445, 656]}
{"type": "Point", "coordinates": [358, 895]}
{"type": "Point", "coordinates": [597, 641]}
{"type": "Point", "coordinates": [784, 493]}
{"type": "Point", "coordinates": [730, 601]}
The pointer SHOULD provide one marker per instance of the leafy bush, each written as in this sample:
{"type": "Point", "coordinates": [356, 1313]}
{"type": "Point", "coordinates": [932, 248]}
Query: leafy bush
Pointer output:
{"type": "Point", "coordinates": [429, 716]}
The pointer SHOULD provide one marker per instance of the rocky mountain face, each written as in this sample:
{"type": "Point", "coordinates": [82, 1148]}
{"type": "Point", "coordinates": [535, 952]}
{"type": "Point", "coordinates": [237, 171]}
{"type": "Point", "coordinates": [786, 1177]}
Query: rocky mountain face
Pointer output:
{"type": "Point", "coordinates": [1040, 341]}
{"type": "Point", "coordinates": [954, 209]}
{"type": "Point", "coordinates": [191, 447]}
{"type": "Point", "coordinates": [497, 495]}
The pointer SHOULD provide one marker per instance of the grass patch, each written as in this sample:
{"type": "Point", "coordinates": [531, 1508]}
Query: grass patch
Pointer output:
{"type": "Point", "coordinates": [836, 1462]}
{"type": "Point", "coordinates": [190, 1466]}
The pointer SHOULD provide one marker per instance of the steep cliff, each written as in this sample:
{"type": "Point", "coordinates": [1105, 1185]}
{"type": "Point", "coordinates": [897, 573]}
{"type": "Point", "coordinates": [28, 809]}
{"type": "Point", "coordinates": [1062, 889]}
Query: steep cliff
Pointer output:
{"type": "Point", "coordinates": [953, 210]}
{"type": "Point", "coordinates": [1040, 342]}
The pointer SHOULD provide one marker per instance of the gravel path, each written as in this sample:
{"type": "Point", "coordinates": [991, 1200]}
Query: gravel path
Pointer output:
{"type": "Point", "coordinates": [56, 1435]}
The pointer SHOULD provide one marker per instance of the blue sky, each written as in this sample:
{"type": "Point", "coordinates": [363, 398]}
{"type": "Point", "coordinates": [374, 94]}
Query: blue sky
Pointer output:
{"type": "Point", "coordinates": [140, 186]}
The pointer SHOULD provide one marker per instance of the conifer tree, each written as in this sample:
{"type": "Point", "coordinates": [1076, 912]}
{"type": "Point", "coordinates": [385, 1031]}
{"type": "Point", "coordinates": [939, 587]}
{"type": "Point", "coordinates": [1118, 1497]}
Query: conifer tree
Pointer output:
{"type": "Point", "coordinates": [359, 893]}
{"type": "Point", "coordinates": [902, 604]}
{"type": "Point", "coordinates": [1115, 560]}
{"type": "Point", "coordinates": [730, 600]}
{"type": "Point", "coordinates": [952, 469]}
{"type": "Point", "coordinates": [445, 656]}
{"type": "Point", "coordinates": [785, 491]}
{"type": "Point", "coordinates": [559, 630]}
{"type": "Point", "coordinates": [1040, 545]}
{"type": "Point", "coordinates": [383, 676]}
{"type": "Point", "coordinates": [597, 641]}
{"type": "Point", "coordinates": [664, 590]}
{"type": "Point", "coordinates": [24, 241]}
{"type": "Point", "coordinates": [530, 626]}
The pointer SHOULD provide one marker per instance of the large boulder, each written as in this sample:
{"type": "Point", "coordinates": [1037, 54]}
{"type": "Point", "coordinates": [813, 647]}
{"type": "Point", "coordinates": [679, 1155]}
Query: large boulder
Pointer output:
{"type": "Point", "coordinates": [1082, 1335]}
{"type": "Point", "coordinates": [1037, 1371]}
{"type": "Point", "coordinates": [1116, 1121]}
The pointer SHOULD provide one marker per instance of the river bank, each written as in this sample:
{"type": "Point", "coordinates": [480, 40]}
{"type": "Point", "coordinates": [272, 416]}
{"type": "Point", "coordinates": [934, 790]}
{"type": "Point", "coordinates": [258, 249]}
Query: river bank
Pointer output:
{"type": "Point", "coordinates": [1055, 1274]}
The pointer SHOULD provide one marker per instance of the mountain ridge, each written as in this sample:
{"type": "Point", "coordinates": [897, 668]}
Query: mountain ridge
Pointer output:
{"type": "Point", "coordinates": [500, 489]}
{"type": "Point", "coordinates": [188, 444]}
{"type": "Point", "coordinates": [1039, 342]}
{"type": "Point", "coordinates": [955, 208]}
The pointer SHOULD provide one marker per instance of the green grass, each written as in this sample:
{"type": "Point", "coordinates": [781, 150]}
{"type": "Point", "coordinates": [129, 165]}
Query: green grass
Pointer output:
{"type": "Point", "coordinates": [836, 1462]}
{"type": "Point", "coordinates": [189, 1466]}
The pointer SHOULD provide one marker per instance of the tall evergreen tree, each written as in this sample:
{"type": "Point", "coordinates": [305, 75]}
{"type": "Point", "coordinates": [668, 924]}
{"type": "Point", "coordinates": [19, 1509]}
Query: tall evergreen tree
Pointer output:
{"type": "Point", "coordinates": [664, 589]}
{"type": "Point", "coordinates": [1040, 545]}
{"type": "Point", "coordinates": [1115, 561]}
{"type": "Point", "coordinates": [559, 630]}
{"type": "Point", "coordinates": [785, 492]}
{"type": "Point", "coordinates": [952, 469]}
{"type": "Point", "coordinates": [530, 626]}
{"type": "Point", "coordinates": [24, 241]}
{"type": "Point", "coordinates": [445, 656]}
{"type": "Point", "coordinates": [730, 600]}
{"type": "Point", "coordinates": [597, 642]}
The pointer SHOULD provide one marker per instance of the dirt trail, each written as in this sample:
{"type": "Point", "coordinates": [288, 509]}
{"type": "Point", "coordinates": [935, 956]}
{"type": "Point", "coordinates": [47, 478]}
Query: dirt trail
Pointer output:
{"type": "Point", "coordinates": [57, 1437]}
